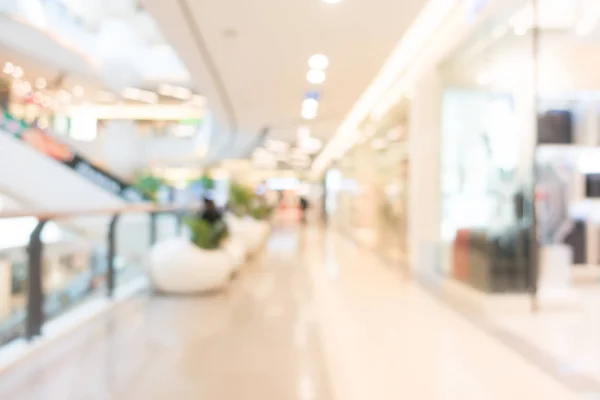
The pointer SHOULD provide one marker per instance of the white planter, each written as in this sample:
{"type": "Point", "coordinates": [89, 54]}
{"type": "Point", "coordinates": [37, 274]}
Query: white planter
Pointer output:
{"type": "Point", "coordinates": [236, 251]}
{"type": "Point", "coordinates": [250, 232]}
{"type": "Point", "coordinates": [178, 266]}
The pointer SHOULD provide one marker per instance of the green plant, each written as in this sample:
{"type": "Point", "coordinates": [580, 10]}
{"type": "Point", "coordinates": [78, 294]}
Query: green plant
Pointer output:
{"type": "Point", "coordinates": [149, 185]}
{"type": "Point", "coordinates": [206, 235]}
{"type": "Point", "coordinates": [240, 199]}
{"type": "Point", "coordinates": [261, 211]}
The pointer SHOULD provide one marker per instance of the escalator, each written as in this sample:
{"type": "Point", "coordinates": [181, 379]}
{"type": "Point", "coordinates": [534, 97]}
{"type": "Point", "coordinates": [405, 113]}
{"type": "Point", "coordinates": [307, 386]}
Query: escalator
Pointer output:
{"type": "Point", "coordinates": [42, 172]}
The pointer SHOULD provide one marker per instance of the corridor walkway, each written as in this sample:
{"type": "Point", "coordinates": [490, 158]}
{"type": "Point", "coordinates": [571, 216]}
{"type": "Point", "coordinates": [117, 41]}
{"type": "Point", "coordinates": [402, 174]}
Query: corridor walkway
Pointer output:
{"type": "Point", "coordinates": [315, 318]}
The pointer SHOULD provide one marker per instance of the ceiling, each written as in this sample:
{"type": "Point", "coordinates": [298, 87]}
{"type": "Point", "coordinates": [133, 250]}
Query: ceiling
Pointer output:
{"type": "Point", "coordinates": [250, 58]}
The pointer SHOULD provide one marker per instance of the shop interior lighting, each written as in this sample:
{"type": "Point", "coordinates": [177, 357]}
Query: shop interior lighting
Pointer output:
{"type": "Point", "coordinates": [9, 68]}
{"type": "Point", "coordinates": [18, 72]}
{"type": "Point", "coordinates": [332, 1]}
{"type": "Point", "coordinates": [316, 76]}
{"type": "Point", "coordinates": [310, 108]}
{"type": "Point", "coordinates": [391, 79]}
{"type": "Point", "coordinates": [26, 87]}
{"type": "Point", "coordinates": [40, 83]}
{"type": "Point", "coordinates": [64, 96]}
{"type": "Point", "coordinates": [309, 114]}
{"type": "Point", "coordinates": [318, 61]}
{"type": "Point", "coordinates": [47, 102]}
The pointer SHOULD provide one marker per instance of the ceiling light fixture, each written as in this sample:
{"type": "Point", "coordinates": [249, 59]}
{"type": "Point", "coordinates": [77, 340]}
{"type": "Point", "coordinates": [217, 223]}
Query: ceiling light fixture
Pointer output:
{"type": "Point", "coordinates": [309, 114]}
{"type": "Point", "coordinates": [310, 104]}
{"type": "Point", "coordinates": [332, 1]}
{"type": "Point", "coordinates": [18, 72]}
{"type": "Point", "coordinates": [318, 61]}
{"type": "Point", "coordinates": [9, 68]}
{"type": "Point", "coordinates": [392, 80]}
{"type": "Point", "coordinates": [316, 76]}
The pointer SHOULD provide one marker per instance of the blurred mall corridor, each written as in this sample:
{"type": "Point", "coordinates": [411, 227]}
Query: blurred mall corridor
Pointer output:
{"type": "Point", "coordinates": [313, 318]}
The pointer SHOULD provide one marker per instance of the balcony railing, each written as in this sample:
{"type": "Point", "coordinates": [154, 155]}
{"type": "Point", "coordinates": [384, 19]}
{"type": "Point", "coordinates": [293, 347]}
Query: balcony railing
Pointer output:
{"type": "Point", "coordinates": [52, 275]}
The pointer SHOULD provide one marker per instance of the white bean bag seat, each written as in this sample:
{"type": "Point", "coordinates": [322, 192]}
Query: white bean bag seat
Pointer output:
{"type": "Point", "coordinates": [177, 266]}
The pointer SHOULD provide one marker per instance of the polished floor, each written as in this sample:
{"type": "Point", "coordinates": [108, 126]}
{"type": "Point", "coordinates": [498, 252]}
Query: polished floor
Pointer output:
{"type": "Point", "coordinates": [314, 318]}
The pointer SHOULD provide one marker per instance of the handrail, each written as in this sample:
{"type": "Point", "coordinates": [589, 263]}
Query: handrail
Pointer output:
{"type": "Point", "coordinates": [65, 214]}
{"type": "Point", "coordinates": [35, 312]}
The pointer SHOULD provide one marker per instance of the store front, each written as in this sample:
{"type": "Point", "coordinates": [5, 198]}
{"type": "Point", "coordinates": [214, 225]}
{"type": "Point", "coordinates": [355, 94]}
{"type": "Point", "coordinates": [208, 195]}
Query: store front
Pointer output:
{"type": "Point", "coordinates": [372, 199]}
{"type": "Point", "coordinates": [520, 127]}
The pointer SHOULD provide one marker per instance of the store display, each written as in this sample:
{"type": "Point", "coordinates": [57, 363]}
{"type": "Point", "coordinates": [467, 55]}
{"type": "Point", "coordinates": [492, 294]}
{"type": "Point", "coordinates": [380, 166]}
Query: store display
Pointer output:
{"type": "Point", "coordinates": [555, 127]}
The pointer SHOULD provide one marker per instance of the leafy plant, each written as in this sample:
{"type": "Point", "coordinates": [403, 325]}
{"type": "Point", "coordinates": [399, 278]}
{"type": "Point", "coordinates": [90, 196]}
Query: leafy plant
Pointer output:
{"type": "Point", "coordinates": [261, 211]}
{"type": "Point", "coordinates": [240, 199]}
{"type": "Point", "coordinates": [149, 185]}
{"type": "Point", "coordinates": [206, 235]}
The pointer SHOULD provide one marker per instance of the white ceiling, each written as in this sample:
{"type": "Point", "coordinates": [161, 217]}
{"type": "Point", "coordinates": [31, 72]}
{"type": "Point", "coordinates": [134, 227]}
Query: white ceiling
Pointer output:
{"type": "Point", "coordinates": [250, 57]}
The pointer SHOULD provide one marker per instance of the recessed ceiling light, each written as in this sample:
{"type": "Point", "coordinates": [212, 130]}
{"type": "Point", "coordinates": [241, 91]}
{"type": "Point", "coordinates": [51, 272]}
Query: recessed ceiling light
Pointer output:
{"type": "Point", "coordinates": [316, 76]}
{"type": "Point", "coordinates": [310, 104]}
{"type": "Point", "coordinates": [308, 113]}
{"type": "Point", "coordinates": [332, 1]}
{"type": "Point", "coordinates": [318, 61]}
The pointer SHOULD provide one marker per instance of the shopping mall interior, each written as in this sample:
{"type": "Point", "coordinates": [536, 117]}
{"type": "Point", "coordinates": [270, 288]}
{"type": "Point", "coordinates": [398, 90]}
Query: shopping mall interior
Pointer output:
{"type": "Point", "coordinates": [302, 199]}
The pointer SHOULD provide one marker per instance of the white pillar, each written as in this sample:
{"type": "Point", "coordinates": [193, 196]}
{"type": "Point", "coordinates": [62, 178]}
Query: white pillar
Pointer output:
{"type": "Point", "coordinates": [5, 289]}
{"type": "Point", "coordinates": [424, 218]}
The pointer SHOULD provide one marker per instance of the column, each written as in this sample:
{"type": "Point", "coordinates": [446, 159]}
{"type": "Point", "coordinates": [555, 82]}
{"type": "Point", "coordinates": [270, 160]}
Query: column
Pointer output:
{"type": "Point", "coordinates": [5, 289]}
{"type": "Point", "coordinates": [424, 217]}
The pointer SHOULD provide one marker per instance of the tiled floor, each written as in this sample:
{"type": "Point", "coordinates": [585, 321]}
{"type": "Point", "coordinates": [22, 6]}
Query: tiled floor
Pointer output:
{"type": "Point", "coordinates": [315, 318]}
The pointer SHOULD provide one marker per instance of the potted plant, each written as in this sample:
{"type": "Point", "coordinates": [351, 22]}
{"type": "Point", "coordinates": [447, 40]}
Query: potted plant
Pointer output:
{"type": "Point", "coordinates": [184, 266]}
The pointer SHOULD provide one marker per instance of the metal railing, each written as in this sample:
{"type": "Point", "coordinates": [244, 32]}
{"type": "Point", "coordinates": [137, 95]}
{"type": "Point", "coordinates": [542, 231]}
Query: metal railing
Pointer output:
{"type": "Point", "coordinates": [25, 314]}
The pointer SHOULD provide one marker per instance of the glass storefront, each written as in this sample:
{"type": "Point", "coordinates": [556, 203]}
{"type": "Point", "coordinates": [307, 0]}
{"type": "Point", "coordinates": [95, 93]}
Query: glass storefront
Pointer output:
{"type": "Point", "coordinates": [373, 185]}
{"type": "Point", "coordinates": [521, 136]}
{"type": "Point", "coordinates": [486, 170]}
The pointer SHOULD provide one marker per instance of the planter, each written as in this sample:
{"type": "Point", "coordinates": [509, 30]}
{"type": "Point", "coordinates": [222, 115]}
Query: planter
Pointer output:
{"type": "Point", "coordinates": [252, 233]}
{"type": "Point", "coordinates": [177, 266]}
{"type": "Point", "coordinates": [236, 250]}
